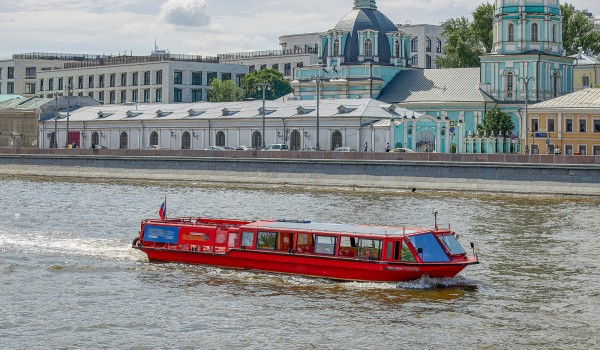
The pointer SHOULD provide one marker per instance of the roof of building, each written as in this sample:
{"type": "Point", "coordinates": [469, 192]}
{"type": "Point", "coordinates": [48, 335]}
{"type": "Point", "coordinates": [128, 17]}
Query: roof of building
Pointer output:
{"type": "Point", "coordinates": [584, 99]}
{"type": "Point", "coordinates": [24, 103]}
{"type": "Point", "coordinates": [8, 97]}
{"type": "Point", "coordinates": [345, 108]}
{"type": "Point", "coordinates": [435, 85]}
{"type": "Point", "coordinates": [584, 60]}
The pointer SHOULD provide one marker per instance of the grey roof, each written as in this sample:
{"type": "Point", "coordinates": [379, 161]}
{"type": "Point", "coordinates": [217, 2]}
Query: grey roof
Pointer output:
{"type": "Point", "coordinates": [584, 60]}
{"type": "Point", "coordinates": [341, 108]}
{"type": "Point", "coordinates": [8, 97]}
{"type": "Point", "coordinates": [435, 85]}
{"type": "Point", "coordinates": [25, 103]}
{"type": "Point", "coordinates": [584, 99]}
{"type": "Point", "coordinates": [337, 228]}
{"type": "Point", "coordinates": [362, 19]}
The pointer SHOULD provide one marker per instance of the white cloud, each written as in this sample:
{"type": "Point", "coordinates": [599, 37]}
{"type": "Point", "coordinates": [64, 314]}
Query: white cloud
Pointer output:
{"type": "Point", "coordinates": [190, 13]}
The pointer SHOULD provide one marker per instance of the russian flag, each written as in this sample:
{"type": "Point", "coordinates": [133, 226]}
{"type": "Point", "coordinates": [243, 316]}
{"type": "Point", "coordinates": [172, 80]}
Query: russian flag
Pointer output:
{"type": "Point", "coordinates": [162, 212]}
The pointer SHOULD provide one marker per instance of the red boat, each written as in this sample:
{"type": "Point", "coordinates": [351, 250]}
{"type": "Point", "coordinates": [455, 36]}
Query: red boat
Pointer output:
{"type": "Point", "coordinates": [333, 251]}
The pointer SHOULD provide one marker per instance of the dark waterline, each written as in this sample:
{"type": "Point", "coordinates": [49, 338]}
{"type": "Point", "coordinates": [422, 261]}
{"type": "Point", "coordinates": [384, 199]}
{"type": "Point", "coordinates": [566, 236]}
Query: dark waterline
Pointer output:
{"type": "Point", "coordinates": [71, 280]}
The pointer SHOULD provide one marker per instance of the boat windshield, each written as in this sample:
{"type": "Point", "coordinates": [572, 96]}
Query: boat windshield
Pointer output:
{"type": "Point", "coordinates": [452, 244]}
{"type": "Point", "coordinates": [431, 250]}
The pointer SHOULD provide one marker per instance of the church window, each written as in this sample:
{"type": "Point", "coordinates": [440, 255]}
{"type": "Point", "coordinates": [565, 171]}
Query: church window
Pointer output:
{"type": "Point", "coordinates": [511, 32]}
{"type": "Point", "coordinates": [368, 48]}
{"type": "Point", "coordinates": [336, 48]}
{"type": "Point", "coordinates": [510, 85]}
{"type": "Point", "coordinates": [555, 85]}
{"type": "Point", "coordinates": [534, 32]}
{"type": "Point", "coordinates": [154, 138]}
{"type": "Point", "coordinates": [414, 45]}
{"type": "Point", "coordinates": [554, 34]}
{"type": "Point", "coordinates": [397, 48]}
{"type": "Point", "coordinates": [220, 139]}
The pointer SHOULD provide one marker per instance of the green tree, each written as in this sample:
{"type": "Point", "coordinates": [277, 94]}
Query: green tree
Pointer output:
{"type": "Point", "coordinates": [279, 86]}
{"type": "Point", "coordinates": [224, 91]}
{"type": "Point", "coordinates": [578, 31]}
{"type": "Point", "coordinates": [483, 25]}
{"type": "Point", "coordinates": [497, 123]}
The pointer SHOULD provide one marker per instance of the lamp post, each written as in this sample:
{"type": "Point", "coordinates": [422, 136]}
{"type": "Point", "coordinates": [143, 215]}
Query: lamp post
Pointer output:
{"type": "Point", "coordinates": [318, 80]}
{"type": "Point", "coordinates": [263, 87]}
{"type": "Point", "coordinates": [69, 88]}
{"type": "Point", "coordinates": [526, 81]}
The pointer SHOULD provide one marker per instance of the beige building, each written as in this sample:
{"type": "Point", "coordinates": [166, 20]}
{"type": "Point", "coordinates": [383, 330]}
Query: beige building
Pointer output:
{"type": "Point", "coordinates": [585, 71]}
{"type": "Point", "coordinates": [569, 124]}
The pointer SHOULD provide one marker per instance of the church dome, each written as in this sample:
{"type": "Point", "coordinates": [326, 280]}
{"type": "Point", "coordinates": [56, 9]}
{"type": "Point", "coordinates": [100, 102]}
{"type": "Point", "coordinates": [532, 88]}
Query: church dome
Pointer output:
{"type": "Point", "coordinates": [366, 17]}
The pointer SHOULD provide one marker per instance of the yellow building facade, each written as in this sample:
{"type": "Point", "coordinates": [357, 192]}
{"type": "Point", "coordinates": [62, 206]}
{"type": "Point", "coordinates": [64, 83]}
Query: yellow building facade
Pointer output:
{"type": "Point", "coordinates": [586, 72]}
{"type": "Point", "coordinates": [568, 125]}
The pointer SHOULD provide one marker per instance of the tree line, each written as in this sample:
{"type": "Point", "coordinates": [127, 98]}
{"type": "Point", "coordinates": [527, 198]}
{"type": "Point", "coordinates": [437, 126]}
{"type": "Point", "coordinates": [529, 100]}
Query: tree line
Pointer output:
{"type": "Point", "coordinates": [228, 91]}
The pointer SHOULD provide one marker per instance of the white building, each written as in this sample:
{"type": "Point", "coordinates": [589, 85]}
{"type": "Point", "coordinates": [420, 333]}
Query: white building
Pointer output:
{"type": "Point", "coordinates": [343, 123]}
{"type": "Point", "coordinates": [426, 44]}
{"type": "Point", "coordinates": [164, 78]}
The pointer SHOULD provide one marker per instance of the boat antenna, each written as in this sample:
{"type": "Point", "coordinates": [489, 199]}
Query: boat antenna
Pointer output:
{"type": "Point", "coordinates": [435, 219]}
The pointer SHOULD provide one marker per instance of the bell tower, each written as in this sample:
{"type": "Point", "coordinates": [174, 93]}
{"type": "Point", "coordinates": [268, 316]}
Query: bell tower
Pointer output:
{"type": "Point", "coordinates": [365, 4]}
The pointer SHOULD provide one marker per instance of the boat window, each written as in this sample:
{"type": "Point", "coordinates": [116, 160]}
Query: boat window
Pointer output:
{"type": "Point", "coordinates": [285, 241]}
{"type": "Point", "coordinates": [369, 248]}
{"type": "Point", "coordinates": [325, 245]}
{"type": "Point", "coordinates": [247, 239]}
{"type": "Point", "coordinates": [266, 240]}
{"type": "Point", "coordinates": [428, 248]}
{"type": "Point", "coordinates": [452, 244]}
{"type": "Point", "coordinates": [407, 254]}
{"type": "Point", "coordinates": [389, 250]}
{"type": "Point", "coordinates": [347, 247]}
{"type": "Point", "coordinates": [305, 243]}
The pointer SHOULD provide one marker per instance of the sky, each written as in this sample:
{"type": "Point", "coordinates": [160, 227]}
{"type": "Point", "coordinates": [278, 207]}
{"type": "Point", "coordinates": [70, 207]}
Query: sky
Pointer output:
{"type": "Point", "coordinates": [199, 27]}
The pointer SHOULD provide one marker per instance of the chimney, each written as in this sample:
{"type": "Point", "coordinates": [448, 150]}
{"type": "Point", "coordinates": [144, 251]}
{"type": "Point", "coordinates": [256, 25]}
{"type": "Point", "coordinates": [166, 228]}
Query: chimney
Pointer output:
{"type": "Point", "coordinates": [580, 54]}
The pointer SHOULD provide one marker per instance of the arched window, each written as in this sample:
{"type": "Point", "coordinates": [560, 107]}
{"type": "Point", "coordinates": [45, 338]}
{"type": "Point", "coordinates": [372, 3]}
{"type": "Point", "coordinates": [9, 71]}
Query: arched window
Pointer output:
{"type": "Point", "coordinates": [123, 140]}
{"type": "Point", "coordinates": [336, 48]}
{"type": "Point", "coordinates": [186, 140]}
{"type": "Point", "coordinates": [368, 48]}
{"type": "Point", "coordinates": [534, 32]}
{"type": "Point", "coordinates": [295, 140]}
{"type": "Point", "coordinates": [336, 140]}
{"type": "Point", "coordinates": [554, 33]}
{"type": "Point", "coordinates": [397, 48]}
{"type": "Point", "coordinates": [555, 85]}
{"type": "Point", "coordinates": [511, 32]}
{"type": "Point", "coordinates": [220, 139]}
{"type": "Point", "coordinates": [95, 138]}
{"type": "Point", "coordinates": [154, 139]}
{"type": "Point", "coordinates": [510, 85]}
{"type": "Point", "coordinates": [256, 140]}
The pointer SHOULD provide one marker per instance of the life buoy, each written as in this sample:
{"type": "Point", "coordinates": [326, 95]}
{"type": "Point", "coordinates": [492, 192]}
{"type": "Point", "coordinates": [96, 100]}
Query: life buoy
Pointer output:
{"type": "Point", "coordinates": [136, 241]}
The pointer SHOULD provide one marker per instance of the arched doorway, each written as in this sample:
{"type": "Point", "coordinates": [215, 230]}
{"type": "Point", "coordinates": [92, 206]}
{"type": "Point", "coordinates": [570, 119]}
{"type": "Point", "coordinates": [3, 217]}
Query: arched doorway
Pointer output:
{"type": "Point", "coordinates": [123, 140]}
{"type": "Point", "coordinates": [154, 139]}
{"type": "Point", "coordinates": [220, 139]}
{"type": "Point", "coordinates": [295, 141]}
{"type": "Point", "coordinates": [256, 140]}
{"type": "Point", "coordinates": [95, 138]}
{"type": "Point", "coordinates": [426, 142]}
{"type": "Point", "coordinates": [186, 140]}
{"type": "Point", "coordinates": [336, 140]}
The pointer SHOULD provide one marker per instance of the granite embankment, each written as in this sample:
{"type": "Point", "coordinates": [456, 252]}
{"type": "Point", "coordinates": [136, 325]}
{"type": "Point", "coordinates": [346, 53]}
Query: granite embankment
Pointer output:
{"type": "Point", "coordinates": [570, 175]}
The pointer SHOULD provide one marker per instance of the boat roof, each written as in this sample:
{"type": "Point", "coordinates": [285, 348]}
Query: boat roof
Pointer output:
{"type": "Point", "coordinates": [337, 228]}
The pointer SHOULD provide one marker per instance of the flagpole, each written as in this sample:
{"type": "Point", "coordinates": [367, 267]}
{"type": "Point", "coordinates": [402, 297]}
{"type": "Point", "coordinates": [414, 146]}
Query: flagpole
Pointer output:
{"type": "Point", "coordinates": [166, 207]}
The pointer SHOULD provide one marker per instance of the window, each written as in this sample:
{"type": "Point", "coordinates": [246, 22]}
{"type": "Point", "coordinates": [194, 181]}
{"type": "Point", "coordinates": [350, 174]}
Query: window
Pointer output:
{"type": "Point", "coordinates": [336, 140]}
{"type": "Point", "coordinates": [123, 140]}
{"type": "Point", "coordinates": [159, 77]}
{"type": "Point", "coordinates": [101, 97]}
{"type": "Point", "coordinates": [158, 95]}
{"type": "Point", "coordinates": [582, 125]}
{"type": "Point", "coordinates": [147, 78]}
{"type": "Point", "coordinates": [596, 125]}
{"type": "Point", "coordinates": [30, 72]}
{"type": "Point", "coordinates": [113, 80]}
{"type": "Point", "coordinates": [11, 73]}
{"type": "Point", "coordinates": [397, 48]}
{"type": "Point", "coordinates": [100, 81]}
{"type": "Point", "coordinates": [347, 247]}
{"type": "Point", "coordinates": [256, 140]}
{"type": "Point", "coordinates": [428, 248]}
{"type": "Point", "coordinates": [414, 45]}
{"type": "Point", "coordinates": [252, 68]}
{"type": "Point", "coordinates": [196, 95]}
{"type": "Point", "coordinates": [134, 78]}
{"type": "Point", "coordinates": [428, 49]}
{"type": "Point", "coordinates": [227, 76]}
{"type": "Point", "coordinates": [112, 97]}
{"type": "Point", "coordinates": [325, 245]}
{"type": "Point", "coordinates": [91, 94]}
{"type": "Point", "coordinates": [511, 32]}
{"type": "Point", "coordinates": [369, 249]}
{"type": "Point", "coordinates": [586, 81]}
{"type": "Point", "coordinates": [300, 64]}
{"type": "Point", "coordinates": [177, 95]}
{"type": "Point", "coordinates": [452, 245]}
{"type": "Point", "coordinates": [569, 125]}
{"type": "Point", "coordinates": [80, 82]}
{"type": "Point", "coordinates": [210, 77]}
{"type": "Point", "coordinates": [95, 138]}
{"type": "Point", "coordinates": [220, 138]}
{"type": "Point", "coordinates": [123, 96]}
{"type": "Point", "coordinates": [263, 66]}
{"type": "Point", "coordinates": [196, 78]}
{"type": "Point", "coordinates": [146, 95]}
{"type": "Point", "coordinates": [247, 239]}
{"type": "Point", "coordinates": [10, 87]}
{"type": "Point", "coordinates": [368, 48]}
{"type": "Point", "coordinates": [535, 126]}
{"type": "Point", "coordinates": [41, 84]}
{"type": "Point", "coordinates": [134, 96]}
{"type": "Point", "coordinates": [534, 32]}
{"type": "Point", "coordinates": [186, 140]}
{"type": "Point", "coordinates": [336, 48]}
{"type": "Point", "coordinates": [415, 60]}
{"type": "Point", "coordinates": [239, 78]}
{"type": "Point", "coordinates": [178, 77]}
{"type": "Point", "coordinates": [569, 150]}
{"type": "Point", "coordinates": [551, 124]}
{"type": "Point", "coordinates": [510, 85]}
{"type": "Point", "coordinates": [439, 46]}
{"type": "Point", "coordinates": [154, 139]}
{"type": "Point", "coordinates": [597, 150]}
{"type": "Point", "coordinates": [51, 84]}
{"type": "Point", "coordinates": [61, 84]}
{"type": "Point", "coordinates": [266, 240]}
{"type": "Point", "coordinates": [583, 150]}
{"type": "Point", "coordinates": [124, 79]}
{"type": "Point", "coordinates": [407, 255]}
{"type": "Point", "coordinates": [91, 82]}
{"type": "Point", "coordinates": [555, 85]}
{"type": "Point", "coordinates": [70, 83]}
{"type": "Point", "coordinates": [428, 63]}
{"type": "Point", "coordinates": [554, 33]}
{"type": "Point", "coordinates": [30, 88]}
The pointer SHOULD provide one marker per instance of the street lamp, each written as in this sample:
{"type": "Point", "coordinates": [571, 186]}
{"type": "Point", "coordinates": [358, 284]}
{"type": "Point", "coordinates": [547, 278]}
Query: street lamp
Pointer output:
{"type": "Point", "coordinates": [263, 87]}
{"type": "Point", "coordinates": [69, 88]}
{"type": "Point", "coordinates": [526, 81]}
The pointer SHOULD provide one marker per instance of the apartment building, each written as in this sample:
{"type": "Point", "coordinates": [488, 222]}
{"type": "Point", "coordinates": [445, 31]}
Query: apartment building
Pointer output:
{"type": "Point", "coordinates": [426, 44]}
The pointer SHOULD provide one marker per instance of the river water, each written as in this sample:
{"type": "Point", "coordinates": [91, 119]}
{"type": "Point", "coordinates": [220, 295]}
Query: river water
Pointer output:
{"type": "Point", "coordinates": [69, 279]}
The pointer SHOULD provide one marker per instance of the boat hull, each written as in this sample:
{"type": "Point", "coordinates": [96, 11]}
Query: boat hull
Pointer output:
{"type": "Point", "coordinates": [308, 265]}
